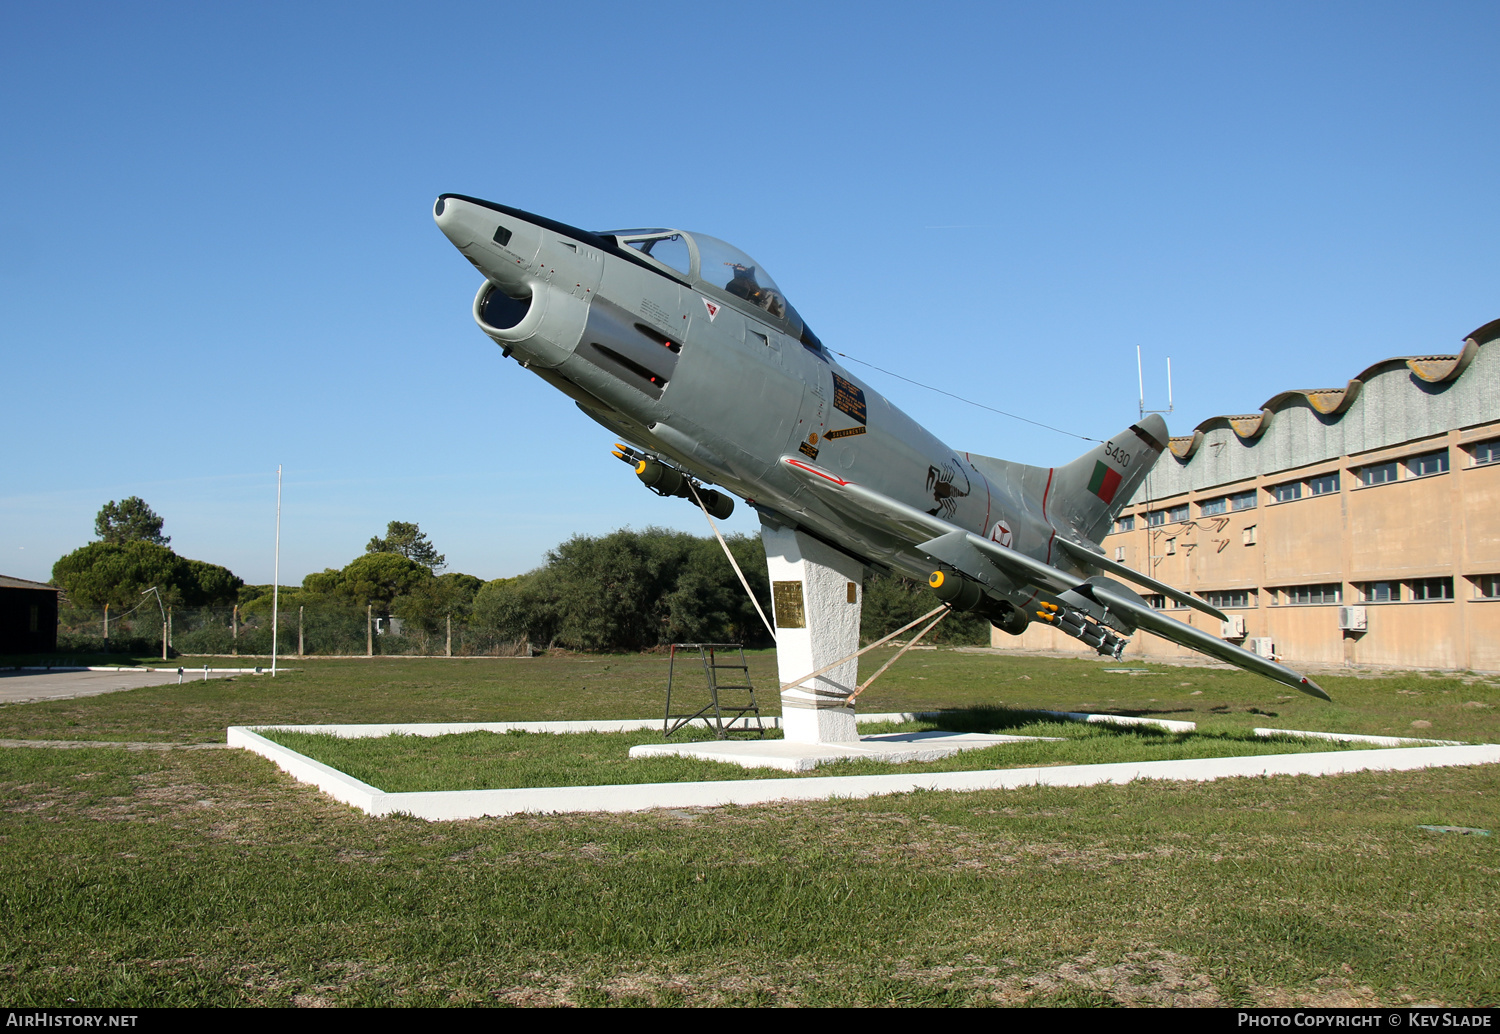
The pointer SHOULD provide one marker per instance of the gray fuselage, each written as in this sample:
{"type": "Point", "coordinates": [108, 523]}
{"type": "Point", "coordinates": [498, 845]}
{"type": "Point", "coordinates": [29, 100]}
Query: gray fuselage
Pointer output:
{"type": "Point", "coordinates": [727, 386]}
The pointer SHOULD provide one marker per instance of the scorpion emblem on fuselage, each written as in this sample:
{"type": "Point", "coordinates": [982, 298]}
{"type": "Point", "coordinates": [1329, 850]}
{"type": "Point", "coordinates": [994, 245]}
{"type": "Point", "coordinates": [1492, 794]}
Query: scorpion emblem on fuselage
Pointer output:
{"type": "Point", "coordinates": [942, 485]}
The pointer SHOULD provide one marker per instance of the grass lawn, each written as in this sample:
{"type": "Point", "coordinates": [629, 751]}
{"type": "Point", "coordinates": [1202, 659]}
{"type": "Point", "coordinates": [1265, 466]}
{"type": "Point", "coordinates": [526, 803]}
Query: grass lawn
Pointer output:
{"type": "Point", "coordinates": [491, 761]}
{"type": "Point", "coordinates": [206, 877]}
{"type": "Point", "coordinates": [634, 686]}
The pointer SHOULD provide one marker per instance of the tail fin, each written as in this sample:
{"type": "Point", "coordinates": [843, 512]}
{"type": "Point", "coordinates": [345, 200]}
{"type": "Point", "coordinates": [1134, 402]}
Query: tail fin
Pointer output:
{"type": "Point", "coordinates": [1088, 493]}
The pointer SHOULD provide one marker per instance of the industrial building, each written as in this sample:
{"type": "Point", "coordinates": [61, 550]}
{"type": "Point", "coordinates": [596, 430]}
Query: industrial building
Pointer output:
{"type": "Point", "coordinates": [1354, 525]}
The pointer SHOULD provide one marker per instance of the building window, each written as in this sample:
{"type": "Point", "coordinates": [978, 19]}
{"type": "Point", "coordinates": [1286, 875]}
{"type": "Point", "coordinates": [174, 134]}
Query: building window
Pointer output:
{"type": "Point", "coordinates": [1432, 589]}
{"type": "Point", "coordinates": [1247, 536]}
{"type": "Point", "coordinates": [1156, 602]}
{"type": "Point", "coordinates": [1211, 507]}
{"type": "Point", "coordinates": [1287, 492]}
{"type": "Point", "coordinates": [1120, 554]}
{"type": "Point", "coordinates": [1176, 514]}
{"type": "Point", "coordinates": [1242, 500]}
{"type": "Point", "coordinates": [1486, 586]}
{"type": "Point", "coordinates": [1378, 474]}
{"type": "Point", "coordinates": [1428, 463]}
{"type": "Point", "coordinates": [1302, 595]}
{"type": "Point", "coordinates": [1237, 599]}
{"type": "Point", "coordinates": [1156, 518]}
{"type": "Point", "coordinates": [1325, 484]}
{"type": "Point", "coordinates": [1171, 547]}
{"type": "Point", "coordinates": [1487, 452]}
{"type": "Point", "coordinates": [1380, 592]}
{"type": "Point", "coordinates": [1125, 524]}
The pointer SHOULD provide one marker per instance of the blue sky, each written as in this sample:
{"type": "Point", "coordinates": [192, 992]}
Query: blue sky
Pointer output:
{"type": "Point", "coordinates": [217, 252]}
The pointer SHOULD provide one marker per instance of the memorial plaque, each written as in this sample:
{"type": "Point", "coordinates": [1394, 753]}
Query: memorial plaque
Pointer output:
{"type": "Point", "coordinates": [787, 599]}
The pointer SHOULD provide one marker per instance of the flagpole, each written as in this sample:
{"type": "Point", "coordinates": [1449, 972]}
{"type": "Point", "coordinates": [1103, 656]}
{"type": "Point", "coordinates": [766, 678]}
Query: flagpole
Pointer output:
{"type": "Point", "coordinates": [276, 575]}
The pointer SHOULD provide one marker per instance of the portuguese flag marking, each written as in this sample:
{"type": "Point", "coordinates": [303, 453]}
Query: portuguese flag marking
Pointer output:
{"type": "Point", "coordinates": [1104, 482]}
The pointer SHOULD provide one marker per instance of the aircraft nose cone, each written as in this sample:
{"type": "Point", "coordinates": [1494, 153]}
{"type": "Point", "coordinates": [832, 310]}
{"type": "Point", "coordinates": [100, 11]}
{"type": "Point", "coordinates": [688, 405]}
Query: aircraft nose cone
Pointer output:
{"type": "Point", "coordinates": [456, 219]}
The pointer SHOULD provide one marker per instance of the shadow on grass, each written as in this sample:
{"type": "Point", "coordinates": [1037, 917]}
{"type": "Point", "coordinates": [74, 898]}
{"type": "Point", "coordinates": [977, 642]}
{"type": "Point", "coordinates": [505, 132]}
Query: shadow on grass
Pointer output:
{"type": "Point", "coordinates": [1007, 720]}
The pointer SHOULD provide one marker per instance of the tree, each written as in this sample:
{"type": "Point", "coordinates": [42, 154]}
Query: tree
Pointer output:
{"type": "Point", "coordinates": [630, 590]}
{"type": "Point", "coordinates": [890, 601]}
{"type": "Point", "coordinates": [409, 541]}
{"type": "Point", "coordinates": [428, 606]}
{"type": "Point", "coordinates": [522, 607]}
{"type": "Point", "coordinates": [118, 572]}
{"type": "Point", "coordinates": [375, 578]}
{"type": "Point", "coordinates": [129, 520]}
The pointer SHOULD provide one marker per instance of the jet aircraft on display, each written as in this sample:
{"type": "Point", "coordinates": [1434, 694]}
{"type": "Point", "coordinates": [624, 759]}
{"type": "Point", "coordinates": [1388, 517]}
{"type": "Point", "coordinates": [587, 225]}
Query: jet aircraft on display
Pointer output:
{"type": "Point", "coordinates": [684, 347]}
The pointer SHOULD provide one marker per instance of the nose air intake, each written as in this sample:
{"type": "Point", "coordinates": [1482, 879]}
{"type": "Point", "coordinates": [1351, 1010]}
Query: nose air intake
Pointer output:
{"type": "Point", "coordinates": [499, 311]}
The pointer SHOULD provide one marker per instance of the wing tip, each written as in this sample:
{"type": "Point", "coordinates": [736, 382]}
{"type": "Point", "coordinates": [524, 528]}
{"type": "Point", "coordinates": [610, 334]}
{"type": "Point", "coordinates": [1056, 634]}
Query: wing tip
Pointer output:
{"type": "Point", "coordinates": [1311, 688]}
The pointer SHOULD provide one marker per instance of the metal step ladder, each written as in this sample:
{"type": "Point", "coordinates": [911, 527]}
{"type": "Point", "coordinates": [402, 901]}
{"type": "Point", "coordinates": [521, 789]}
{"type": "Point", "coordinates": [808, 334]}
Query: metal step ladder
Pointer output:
{"type": "Point", "coordinates": [736, 709]}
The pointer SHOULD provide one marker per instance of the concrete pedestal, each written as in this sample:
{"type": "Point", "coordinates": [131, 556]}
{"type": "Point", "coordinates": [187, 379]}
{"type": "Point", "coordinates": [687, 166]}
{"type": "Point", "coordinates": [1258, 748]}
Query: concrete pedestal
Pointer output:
{"type": "Point", "coordinates": [816, 591]}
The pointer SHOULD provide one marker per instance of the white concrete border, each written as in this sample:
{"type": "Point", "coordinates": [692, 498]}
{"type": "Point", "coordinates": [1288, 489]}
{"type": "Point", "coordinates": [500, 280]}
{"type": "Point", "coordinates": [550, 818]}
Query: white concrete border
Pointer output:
{"type": "Point", "coordinates": [304, 769]}
{"type": "Point", "coordinates": [354, 732]}
{"type": "Point", "coordinates": [1355, 737]}
{"type": "Point", "coordinates": [1122, 719]}
{"type": "Point", "coordinates": [470, 804]}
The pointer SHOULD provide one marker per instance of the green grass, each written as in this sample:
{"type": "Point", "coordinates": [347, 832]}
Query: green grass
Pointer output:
{"type": "Point", "coordinates": [207, 877]}
{"type": "Point", "coordinates": [491, 761]}
{"type": "Point", "coordinates": [634, 686]}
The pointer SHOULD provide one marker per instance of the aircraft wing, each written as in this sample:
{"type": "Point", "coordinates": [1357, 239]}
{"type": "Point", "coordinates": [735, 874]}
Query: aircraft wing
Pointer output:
{"type": "Point", "coordinates": [1183, 634]}
{"type": "Point", "coordinates": [924, 530]}
{"type": "Point", "coordinates": [867, 506]}
{"type": "Point", "coordinates": [1088, 558]}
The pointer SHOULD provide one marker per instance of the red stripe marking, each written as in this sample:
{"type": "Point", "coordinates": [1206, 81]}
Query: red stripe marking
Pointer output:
{"type": "Point", "coordinates": [814, 470]}
{"type": "Point", "coordinates": [1045, 492]}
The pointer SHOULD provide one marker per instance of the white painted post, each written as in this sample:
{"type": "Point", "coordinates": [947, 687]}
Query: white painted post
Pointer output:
{"type": "Point", "coordinates": [825, 579]}
{"type": "Point", "coordinates": [276, 577]}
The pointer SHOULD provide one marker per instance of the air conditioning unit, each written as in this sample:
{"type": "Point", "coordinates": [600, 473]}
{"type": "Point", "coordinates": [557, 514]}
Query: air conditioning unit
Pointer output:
{"type": "Point", "coordinates": [1234, 628]}
{"type": "Point", "coordinates": [1263, 647]}
{"type": "Point", "coordinates": [1352, 619]}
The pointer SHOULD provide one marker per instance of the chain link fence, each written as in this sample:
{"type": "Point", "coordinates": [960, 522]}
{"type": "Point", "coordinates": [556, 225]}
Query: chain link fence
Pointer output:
{"type": "Point", "coordinates": [323, 630]}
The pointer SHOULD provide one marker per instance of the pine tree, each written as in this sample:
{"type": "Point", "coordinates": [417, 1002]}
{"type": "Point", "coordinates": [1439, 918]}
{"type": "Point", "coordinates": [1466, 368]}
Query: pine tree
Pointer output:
{"type": "Point", "coordinates": [409, 541]}
{"type": "Point", "coordinates": [129, 520]}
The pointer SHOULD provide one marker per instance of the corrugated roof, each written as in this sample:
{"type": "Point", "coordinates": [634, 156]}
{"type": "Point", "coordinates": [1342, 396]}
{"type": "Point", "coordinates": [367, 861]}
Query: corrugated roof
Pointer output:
{"type": "Point", "coordinates": [1334, 402]}
{"type": "Point", "coordinates": [7, 582]}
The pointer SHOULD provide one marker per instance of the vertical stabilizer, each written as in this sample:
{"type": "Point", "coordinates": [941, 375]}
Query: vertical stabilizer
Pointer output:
{"type": "Point", "coordinates": [1088, 493]}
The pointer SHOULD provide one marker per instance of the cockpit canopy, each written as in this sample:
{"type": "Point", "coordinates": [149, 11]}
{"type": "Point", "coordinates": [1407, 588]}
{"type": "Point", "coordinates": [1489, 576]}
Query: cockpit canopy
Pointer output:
{"type": "Point", "coordinates": [708, 261]}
